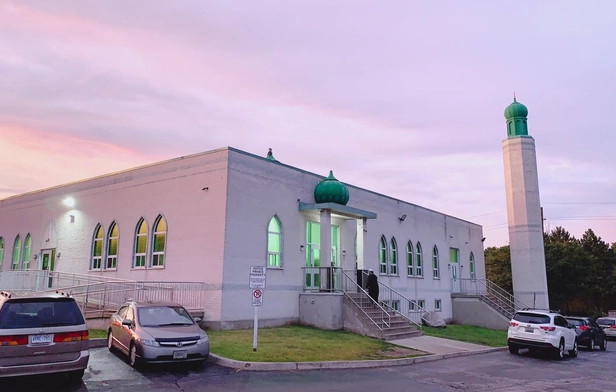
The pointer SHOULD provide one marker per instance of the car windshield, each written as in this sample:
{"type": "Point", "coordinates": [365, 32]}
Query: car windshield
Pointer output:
{"type": "Point", "coordinates": [576, 322]}
{"type": "Point", "coordinates": [532, 318]}
{"type": "Point", "coordinates": [605, 321]}
{"type": "Point", "coordinates": [160, 316]}
{"type": "Point", "coordinates": [39, 312]}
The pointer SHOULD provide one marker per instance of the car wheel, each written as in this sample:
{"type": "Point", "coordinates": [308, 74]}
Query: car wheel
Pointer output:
{"type": "Point", "coordinates": [110, 345]}
{"type": "Point", "coordinates": [513, 349]}
{"type": "Point", "coordinates": [75, 376]}
{"type": "Point", "coordinates": [591, 345]}
{"type": "Point", "coordinates": [603, 345]}
{"type": "Point", "coordinates": [132, 355]}
{"type": "Point", "coordinates": [574, 353]}
{"type": "Point", "coordinates": [560, 354]}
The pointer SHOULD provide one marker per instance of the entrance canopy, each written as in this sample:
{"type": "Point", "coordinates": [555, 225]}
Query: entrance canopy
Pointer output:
{"type": "Point", "coordinates": [338, 209]}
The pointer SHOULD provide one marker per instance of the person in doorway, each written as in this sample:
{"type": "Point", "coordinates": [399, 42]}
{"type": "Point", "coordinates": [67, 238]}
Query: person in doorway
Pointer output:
{"type": "Point", "coordinates": [373, 286]}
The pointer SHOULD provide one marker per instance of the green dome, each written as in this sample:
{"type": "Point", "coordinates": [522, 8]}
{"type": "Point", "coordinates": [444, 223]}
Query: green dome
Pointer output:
{"type": "Point", "coordinates": [516, 109]}
{"type": "Point", "coordinates": [330, 190]}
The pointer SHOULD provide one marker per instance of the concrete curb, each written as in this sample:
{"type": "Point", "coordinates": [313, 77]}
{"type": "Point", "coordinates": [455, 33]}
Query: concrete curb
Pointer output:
{"type": "Point", "coordinates": [98, 343]}
{"type": "Point", "coordinates": [286, 366]}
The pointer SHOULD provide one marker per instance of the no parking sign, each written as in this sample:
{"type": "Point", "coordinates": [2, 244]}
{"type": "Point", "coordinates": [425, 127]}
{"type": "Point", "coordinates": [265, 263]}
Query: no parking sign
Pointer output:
{"type": "Point", "coordinates": [257, 297]}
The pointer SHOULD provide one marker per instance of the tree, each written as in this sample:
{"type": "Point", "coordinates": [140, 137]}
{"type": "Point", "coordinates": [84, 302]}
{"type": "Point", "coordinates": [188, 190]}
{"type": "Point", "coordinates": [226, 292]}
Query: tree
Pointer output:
{"type": "Point", "coordinates": [600, 284]}
{"type": "Point", "coordinates": [498, 266]}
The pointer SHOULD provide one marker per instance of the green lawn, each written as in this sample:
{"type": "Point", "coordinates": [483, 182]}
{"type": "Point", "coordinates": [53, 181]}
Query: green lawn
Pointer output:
{"type": "Point", "coordinates": [470, 334]}
{"type": "Point", "coordinates": [98, 333]}
{"type": "Point", "coordinates": [302, 344]}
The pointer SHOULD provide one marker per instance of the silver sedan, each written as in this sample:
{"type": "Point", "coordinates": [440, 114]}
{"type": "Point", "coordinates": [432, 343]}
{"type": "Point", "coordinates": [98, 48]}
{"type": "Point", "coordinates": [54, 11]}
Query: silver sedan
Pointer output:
{"type": "Point", "coordinates": [157, 332]}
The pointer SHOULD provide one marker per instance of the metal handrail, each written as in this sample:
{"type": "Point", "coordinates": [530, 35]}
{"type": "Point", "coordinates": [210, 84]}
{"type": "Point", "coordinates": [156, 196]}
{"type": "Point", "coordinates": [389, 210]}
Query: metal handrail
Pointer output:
{"type": "Point", "coordinates": [385, 316]}
{"type": "Point", "coordinates": [389, 295]}
{"type": "Point", "coordinates": [103, 292]}
{"type": "Point", "coordinates": [322, 279]}
{"type": "Point", "coordinates": [487, 290]}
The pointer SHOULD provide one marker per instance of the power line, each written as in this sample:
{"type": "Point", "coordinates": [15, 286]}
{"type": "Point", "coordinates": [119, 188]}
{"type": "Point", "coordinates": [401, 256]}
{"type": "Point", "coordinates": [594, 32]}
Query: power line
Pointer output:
{"type": "Point", "coordinates": [608, 202]}
{"type": "Point", "coordinates": [489, 213]}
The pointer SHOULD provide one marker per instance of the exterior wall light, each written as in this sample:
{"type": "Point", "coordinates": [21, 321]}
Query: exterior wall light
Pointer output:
{"type": "Point", "coordinates": [301, 248]}
{"type": "Point", "coordinates": [402, 218]}
{"type": "Point", "coordinates": [69, 202]}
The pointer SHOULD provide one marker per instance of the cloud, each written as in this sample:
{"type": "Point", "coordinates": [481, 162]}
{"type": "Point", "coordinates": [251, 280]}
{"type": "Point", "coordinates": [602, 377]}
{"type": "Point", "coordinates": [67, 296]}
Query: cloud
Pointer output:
{"type": "Point", "coordinates": [403, 98]}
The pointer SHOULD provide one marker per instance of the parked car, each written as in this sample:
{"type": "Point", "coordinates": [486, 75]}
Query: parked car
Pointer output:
{"type": "Point", "coordinates": [589, 333]}
{"type": "Point", "coordinates": [157, 332]}
{"type": "Point", "coordinates": [609, 326]}
{"type": "Point", "coordinates": [42, 334]}
{"type": "Point", "coordinates": [541, 330]}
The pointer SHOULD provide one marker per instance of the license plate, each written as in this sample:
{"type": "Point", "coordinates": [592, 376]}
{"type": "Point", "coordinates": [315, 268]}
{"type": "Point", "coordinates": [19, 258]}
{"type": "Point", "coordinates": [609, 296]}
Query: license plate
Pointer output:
{"type": "Point", "coordinates": [180, 354]}
{"type": "Point", "coordinates": [41, 339]}
{"type": "Point", "coordinates": [529, 330]}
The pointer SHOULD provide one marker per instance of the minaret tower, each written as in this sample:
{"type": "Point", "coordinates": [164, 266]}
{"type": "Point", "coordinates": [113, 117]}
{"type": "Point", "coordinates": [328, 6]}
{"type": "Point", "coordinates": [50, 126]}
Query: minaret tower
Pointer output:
{"type": "Point", "coordinates": [525, 222]}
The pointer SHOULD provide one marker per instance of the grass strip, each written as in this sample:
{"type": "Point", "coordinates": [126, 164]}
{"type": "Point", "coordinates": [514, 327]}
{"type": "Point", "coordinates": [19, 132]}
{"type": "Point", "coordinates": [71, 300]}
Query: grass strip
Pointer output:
{"type": "Point", "coordinates": [470, 334]}
{"type": "Point", "coordinates": [302, 344]}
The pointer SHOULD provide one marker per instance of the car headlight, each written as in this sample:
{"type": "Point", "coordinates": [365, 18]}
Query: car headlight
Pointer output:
{"type": "Point", "coordinates": [147, 342]}
{"type": "Point", "coordinates": [203, 340]}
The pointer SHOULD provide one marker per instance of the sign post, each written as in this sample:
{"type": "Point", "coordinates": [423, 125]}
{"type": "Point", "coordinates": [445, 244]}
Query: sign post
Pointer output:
{"type": "Point", "coordinates": [257, 284]}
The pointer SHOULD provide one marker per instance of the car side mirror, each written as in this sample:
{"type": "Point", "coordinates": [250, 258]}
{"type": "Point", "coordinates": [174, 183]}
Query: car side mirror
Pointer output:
{"type": "Point", "coordinates": [127, 322]}
{"type": "Point", "coordinates": [197, 319]}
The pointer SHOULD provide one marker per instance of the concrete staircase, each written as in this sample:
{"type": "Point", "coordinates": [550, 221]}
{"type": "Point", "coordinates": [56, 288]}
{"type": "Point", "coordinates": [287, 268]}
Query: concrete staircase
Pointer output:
{"type": "Point", "coordinates": [499, 304]}
{"type": "Point", "coordinates": [389, 324]}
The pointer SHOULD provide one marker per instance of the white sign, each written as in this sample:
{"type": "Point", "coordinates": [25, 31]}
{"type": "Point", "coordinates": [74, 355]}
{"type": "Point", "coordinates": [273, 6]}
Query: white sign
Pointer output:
{"type": "Point", "coordinates": [257, 277]}
{"type": "Point", "coordinates": [257, 297]}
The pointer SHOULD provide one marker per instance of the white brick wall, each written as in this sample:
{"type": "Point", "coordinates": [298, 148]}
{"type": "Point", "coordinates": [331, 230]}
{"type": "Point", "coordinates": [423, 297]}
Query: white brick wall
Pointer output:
{"type": "Point", "coordinates": [229, 221]}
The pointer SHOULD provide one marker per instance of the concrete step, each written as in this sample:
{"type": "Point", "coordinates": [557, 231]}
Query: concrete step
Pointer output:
{"type": "Point", "coordinates": [402, 335]}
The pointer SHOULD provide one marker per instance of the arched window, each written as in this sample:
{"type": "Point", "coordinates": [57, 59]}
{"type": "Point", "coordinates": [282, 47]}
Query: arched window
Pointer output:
{"type": "Point", "coordinates": [16, 253]}
{"type": "Point", "coordinates": [393, 257]}
{"type": "Point", "coordinates": [410, 271]}
{"type": "Point", "coordinates": [141, 244]}
{"type": "Point", "coordinates": [383, 255]}
{"type": "Point", "coordinates": [435, 269]}
{"type": "Point", "coordinates": [274, 243]}
{"type": "Point", "coordinates": [419, 261]}
{"type": "Point", "coordinates": [1, 251]}
{"type": "Point", "coordinates": [472, 266]}
{"type": "Point", "coordinates": [25, 260]}
{"type": "Point", "coordinates": [113, 237]}
{"type": "Point", "coordinates": [97, 248]}
{"type": "Point", "coordinates": [159, 240]}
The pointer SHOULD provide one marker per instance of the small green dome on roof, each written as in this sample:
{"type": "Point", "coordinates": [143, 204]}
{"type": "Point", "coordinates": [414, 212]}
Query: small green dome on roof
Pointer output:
{"type": "Point", "coordinates": [330, 190]}
{"type": "Point", "coordinates": [270, 156]}
{"type": "Point", "coordinates": [516, 109]}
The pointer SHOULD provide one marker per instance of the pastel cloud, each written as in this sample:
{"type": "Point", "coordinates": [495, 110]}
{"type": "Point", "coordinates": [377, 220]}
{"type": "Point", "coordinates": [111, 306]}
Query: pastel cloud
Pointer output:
{"type": "Point", "coordinates": [404, 98]}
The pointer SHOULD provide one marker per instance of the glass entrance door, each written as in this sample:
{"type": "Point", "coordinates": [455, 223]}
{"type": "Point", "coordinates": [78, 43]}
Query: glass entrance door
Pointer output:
{"type": "Point", "coordinates": [454, 266]}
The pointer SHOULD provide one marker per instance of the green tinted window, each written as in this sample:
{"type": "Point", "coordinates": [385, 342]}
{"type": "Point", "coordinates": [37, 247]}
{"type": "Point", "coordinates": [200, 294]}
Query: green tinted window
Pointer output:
{"type": "Point", "coordinates": [159, 242]}
{"type": "Point", "coordinates": [16, 253]}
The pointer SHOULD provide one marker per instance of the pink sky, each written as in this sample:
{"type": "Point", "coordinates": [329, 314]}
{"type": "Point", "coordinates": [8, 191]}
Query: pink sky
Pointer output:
{"type": "Point", "coordinates": [404, 98]}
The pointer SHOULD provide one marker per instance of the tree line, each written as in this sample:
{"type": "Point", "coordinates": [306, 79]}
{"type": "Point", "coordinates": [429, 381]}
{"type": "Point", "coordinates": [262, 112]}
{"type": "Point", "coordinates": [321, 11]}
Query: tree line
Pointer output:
{"type": "Point", "coordinates": [581, 272]}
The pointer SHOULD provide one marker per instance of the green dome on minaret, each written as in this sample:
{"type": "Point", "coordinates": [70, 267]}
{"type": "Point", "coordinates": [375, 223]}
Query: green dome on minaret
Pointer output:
{"type": "Point", "coordinates": [330, 190]}
{"type": "Point", "coordinates": [516, 109]}
{"type": "Point", "coordinates": [516, 114]}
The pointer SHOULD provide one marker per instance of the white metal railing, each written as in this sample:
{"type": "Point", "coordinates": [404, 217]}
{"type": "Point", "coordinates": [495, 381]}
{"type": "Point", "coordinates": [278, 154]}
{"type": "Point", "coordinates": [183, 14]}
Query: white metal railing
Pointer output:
{"type": "Point", "coordinates": [350, 286]}
{"type": "Point", "coordinates": [190, 294]}
{"type": "Point", "coordinates": [495, 295]}
{"type": "Point", "coordinates": [399, 304]}
{"type": "Point", "coordinates": [95, 293]}
{"type": "Point", "coordinates": [322, 279]}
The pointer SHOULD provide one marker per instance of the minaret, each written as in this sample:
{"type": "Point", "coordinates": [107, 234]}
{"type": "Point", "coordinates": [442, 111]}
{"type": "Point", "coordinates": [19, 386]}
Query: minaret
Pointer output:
{"type": "Point", "coordinates": [525, 222]}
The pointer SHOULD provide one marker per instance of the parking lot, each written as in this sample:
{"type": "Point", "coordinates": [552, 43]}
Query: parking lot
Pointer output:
{"type": "Point", "coordinates": [498, 371]}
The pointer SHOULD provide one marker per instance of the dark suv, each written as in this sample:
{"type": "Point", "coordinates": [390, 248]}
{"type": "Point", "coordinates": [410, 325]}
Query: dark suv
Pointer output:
{"type": "Point", "coordinates": [41, 334]}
